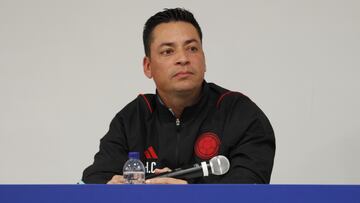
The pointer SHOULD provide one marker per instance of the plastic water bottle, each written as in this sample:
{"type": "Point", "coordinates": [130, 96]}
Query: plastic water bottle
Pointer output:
{"type": "Point", "coordinates": [134, 170]}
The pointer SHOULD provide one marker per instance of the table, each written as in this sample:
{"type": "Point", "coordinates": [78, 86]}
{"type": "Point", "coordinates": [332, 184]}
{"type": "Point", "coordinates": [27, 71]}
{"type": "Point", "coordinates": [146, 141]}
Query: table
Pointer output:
{"type": "Point", "coordinates": [179, 193]}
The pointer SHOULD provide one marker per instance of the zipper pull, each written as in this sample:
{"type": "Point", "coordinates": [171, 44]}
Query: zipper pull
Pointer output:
{"type": "Point", "coordinates": [177, 122]}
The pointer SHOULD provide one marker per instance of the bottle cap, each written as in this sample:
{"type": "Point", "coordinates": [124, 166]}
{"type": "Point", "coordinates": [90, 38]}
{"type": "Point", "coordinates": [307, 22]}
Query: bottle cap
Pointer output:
{"type": "Point", "coordinates": [134, 155]}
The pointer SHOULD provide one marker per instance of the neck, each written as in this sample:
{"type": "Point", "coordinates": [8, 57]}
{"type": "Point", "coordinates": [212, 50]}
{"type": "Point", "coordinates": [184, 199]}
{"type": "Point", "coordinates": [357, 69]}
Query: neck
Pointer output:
{"type": "Point", "coordinates": [179, 101]}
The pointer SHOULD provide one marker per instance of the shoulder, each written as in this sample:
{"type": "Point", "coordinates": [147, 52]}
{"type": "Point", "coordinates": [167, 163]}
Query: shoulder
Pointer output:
{"type": "Point", "coordinates": [143, 105]}
{"type": "Point", "coordinates": [235, 104]}
{"type": "Point", "coordinates": [225, 98]}
{"type": "Point", "coordinates": [240, 110]}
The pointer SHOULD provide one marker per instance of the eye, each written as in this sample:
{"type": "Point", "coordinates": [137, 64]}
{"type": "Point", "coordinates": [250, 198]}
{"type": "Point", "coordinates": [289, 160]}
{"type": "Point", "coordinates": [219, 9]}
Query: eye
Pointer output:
{"type": "Point", "coordinates": [193, 49]}
{"type": "Point", "coordinates": [167, 52]}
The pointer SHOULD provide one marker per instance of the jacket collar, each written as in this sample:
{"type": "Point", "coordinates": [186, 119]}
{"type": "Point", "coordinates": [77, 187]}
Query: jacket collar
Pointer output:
{"type": "Point", "coordinates": [189, 113]}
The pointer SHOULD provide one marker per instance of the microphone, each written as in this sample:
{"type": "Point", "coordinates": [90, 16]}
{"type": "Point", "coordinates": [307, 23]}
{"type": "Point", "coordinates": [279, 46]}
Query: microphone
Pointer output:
{"type": "Point", "coordinates": [218, 165]}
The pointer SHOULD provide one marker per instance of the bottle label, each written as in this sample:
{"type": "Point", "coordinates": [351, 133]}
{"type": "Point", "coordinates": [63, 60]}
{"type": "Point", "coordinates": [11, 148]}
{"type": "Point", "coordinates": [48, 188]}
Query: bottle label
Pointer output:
{"type": "Point", "coordinates": [137, 177]}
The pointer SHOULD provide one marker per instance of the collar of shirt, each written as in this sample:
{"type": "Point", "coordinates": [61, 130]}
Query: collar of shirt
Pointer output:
{"type": "Point", "coordinates": [189, 113]}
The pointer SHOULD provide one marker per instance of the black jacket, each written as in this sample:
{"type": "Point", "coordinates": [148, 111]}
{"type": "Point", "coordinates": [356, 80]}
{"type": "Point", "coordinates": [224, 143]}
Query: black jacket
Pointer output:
{"type": "Point", "coordinates": [221, 123]}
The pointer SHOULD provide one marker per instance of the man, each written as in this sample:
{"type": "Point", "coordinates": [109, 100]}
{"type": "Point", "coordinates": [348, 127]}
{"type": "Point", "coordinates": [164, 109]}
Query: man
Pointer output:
{"type": "Point", "coordinates": [188, 120]}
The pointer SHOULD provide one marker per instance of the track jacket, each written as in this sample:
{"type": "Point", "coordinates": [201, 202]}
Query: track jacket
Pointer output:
{"type": "Point", "coordinates": [222, 122]}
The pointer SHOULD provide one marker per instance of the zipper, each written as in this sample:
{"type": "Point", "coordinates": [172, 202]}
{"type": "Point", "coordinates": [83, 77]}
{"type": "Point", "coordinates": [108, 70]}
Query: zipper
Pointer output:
{"type": "Point", "coordinates": [177, 123]}
{"type": "Point", "coordinates": [178, 126]}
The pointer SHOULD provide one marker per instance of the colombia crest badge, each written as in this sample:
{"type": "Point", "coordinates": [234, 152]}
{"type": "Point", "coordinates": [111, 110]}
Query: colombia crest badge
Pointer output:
{"type": "Point", "coordinates": [207, 145]}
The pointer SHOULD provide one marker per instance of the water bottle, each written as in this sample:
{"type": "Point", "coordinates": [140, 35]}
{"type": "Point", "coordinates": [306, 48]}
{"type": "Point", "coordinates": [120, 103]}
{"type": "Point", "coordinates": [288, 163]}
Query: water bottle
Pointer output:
{"type": "Point", "coordinates": [134, 170]}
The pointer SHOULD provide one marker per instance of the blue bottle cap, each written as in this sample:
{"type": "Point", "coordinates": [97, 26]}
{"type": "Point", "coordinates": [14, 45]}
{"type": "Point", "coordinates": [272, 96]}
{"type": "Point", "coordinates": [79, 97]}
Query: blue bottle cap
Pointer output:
{"type": "Point", "coordinates": [134, 155]}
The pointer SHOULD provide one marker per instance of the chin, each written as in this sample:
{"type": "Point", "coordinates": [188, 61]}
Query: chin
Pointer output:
{"type": "Point", "coordinates": [186, 87]}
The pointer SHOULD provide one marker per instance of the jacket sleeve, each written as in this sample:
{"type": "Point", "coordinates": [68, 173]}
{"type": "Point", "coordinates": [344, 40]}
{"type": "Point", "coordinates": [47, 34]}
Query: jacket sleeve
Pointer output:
{"type": "Point", "coordinates": [251, 147]}
{"type": "Point", "coordinates": [111, 156]}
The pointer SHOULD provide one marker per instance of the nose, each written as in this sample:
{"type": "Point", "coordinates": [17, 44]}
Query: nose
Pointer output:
{"type": "Point", "coordinates": [182, 58]}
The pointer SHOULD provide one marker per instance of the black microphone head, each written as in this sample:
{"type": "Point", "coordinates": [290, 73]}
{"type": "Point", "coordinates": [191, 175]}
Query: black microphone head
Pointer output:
{"type": "Point", "coordinates": [219, 165]}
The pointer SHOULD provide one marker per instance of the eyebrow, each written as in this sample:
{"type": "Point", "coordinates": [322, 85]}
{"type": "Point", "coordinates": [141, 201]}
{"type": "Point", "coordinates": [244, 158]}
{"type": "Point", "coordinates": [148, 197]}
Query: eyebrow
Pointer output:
{"type": "Point", "coordinates": [171, 44]}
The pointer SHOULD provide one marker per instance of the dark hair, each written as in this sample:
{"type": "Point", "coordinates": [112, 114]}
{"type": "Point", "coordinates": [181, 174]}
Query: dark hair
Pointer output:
{"type": "Point", "coordinates": [166, 16]}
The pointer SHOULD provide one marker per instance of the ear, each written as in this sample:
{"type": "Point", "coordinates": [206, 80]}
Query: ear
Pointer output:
{"type": "Point", "coordinates": [204, 63]}
{"type": "Point", "coordinates": [147, 67]}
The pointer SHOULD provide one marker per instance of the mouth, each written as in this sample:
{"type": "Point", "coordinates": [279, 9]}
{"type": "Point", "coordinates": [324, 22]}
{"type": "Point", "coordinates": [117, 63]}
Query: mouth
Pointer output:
{"type": "Point", "coordinates": [183, 74]}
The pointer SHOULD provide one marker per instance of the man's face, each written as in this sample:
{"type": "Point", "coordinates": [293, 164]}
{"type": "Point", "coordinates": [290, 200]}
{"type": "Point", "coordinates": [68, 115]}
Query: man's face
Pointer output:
{"type": "Point", "coordinates": [177, 61]}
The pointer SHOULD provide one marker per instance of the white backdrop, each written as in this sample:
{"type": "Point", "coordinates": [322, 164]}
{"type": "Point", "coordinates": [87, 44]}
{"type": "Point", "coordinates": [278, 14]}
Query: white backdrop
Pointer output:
{"type": "Point", "coordinates": [67, 67]}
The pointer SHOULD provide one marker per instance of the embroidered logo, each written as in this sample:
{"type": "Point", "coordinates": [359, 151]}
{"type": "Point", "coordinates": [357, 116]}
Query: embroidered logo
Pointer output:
{"type": "Point", "coordinates": [207, 145]}
{"type": "Point", "coordinates": [150, 153]}
{"type": "Point", "coordinates": [151, 157]}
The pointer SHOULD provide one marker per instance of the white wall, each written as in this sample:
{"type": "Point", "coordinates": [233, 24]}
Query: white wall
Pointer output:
{"type": "Point", "coordinates": [66, 68]}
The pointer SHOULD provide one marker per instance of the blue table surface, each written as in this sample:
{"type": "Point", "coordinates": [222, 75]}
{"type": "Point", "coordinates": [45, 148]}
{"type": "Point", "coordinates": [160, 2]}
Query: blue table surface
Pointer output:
{"type": "Point", "coordinates": [179, 193]}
